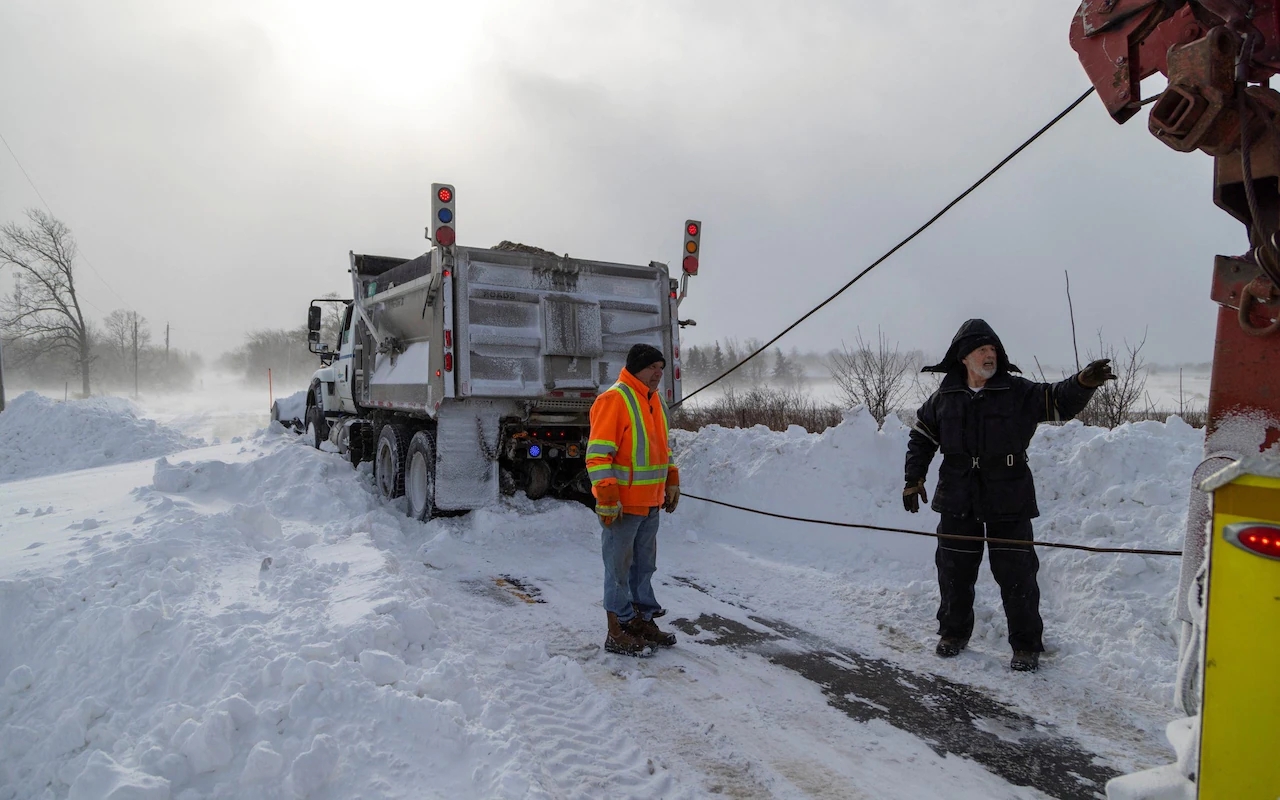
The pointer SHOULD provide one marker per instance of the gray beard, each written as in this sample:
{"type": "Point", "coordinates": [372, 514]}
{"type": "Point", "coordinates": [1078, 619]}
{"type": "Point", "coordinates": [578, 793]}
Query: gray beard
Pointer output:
{"type": "Point", "coordinates": [985, 373]}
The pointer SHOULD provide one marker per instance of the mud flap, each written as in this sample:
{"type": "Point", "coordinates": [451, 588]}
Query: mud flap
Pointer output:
{"type": "Point", "coordinates": [467, 455]}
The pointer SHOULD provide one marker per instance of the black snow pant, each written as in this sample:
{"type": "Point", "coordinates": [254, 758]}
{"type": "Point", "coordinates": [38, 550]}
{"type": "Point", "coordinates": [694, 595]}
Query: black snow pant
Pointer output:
{"type": "Point", "coordinates": [1014, 567]}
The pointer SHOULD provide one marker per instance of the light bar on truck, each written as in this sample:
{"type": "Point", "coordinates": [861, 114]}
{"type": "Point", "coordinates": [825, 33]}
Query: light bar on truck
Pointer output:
{"type": "Point", "coordinates": [443, 218]}
{"type": "Point", "coordinates": [692, 236]}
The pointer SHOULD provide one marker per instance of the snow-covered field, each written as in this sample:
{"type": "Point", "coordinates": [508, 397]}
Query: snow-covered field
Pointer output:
{"type": "Point", "coordinates": [247, 620]}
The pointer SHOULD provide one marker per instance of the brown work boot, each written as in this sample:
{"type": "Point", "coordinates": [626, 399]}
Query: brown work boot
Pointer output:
{"type": "Point", "coordinates": [649, 631]}
{"type": "Point", "coordinates": [622, 641]}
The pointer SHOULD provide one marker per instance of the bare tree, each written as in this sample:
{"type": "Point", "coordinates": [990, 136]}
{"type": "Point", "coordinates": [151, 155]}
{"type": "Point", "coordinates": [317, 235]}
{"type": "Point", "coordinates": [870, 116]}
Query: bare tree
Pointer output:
{"type": "Point", "coordinates": [44, 308]}
{"type": "Point", "coordinates": [876, 378]}
{"type": "Point", "coordinates": [1115, 402]}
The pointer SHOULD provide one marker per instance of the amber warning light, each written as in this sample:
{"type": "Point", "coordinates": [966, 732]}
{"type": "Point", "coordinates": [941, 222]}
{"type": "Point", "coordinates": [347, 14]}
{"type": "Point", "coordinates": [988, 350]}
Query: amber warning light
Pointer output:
{"type": "Point", "coordinates": [1263, 540]}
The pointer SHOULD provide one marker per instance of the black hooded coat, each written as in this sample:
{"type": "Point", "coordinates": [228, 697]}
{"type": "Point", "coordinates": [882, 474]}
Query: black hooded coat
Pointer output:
{"type": "Point", "coordinates": [984, 435]}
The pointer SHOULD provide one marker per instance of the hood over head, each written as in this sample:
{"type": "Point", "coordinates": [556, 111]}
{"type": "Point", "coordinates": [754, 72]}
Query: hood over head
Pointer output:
{"type": "Point", "coordinates": [974, 333]}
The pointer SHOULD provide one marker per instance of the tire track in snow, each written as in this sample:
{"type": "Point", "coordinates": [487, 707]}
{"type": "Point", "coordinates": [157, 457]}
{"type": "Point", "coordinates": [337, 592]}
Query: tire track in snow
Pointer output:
{"type": "Point", "coordinates": [950, 717]}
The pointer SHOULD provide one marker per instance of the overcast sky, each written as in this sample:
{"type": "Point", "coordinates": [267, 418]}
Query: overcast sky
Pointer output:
{"type": "Point", "coordinates": [217, 161]}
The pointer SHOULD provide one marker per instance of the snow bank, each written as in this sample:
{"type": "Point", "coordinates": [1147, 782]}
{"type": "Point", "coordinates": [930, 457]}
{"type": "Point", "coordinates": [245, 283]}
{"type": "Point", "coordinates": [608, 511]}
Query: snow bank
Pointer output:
{"type": "Point", "coordinates": [43, 437]}
{"type": "Point", "coordinates": [265, 630]}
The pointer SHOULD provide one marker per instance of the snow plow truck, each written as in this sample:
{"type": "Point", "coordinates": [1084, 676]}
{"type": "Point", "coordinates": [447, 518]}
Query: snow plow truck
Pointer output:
{"type": "Point", "coordinates": [467, 373]}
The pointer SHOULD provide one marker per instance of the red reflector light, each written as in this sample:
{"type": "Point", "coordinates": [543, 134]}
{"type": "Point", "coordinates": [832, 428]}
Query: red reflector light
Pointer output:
{"type": "Point", "coordinates": [586, 394]}
{"type": "Point", "coordinates": [1263, 540]}
{"type": "Point", "coordinates": [557, 394]}
{"type": "Point", "coordinates": [448, 362]}
{"type": "Point", "coordinates": [691, 265]}
{"type": "Point", "coordinates": [677, 373]}
{"type": "Point", "coordinates": [438, 373]}
{"type": "Point", "coordinates": [693, 229]}
{"type": "Point", "coordinates": [446, 196]}
{"type": "Point", "coordinates": [673, 295]}
{"type": "Point", "coordinates": [445, 236]}
{"type": "Point", "coordinates": [448, 338]}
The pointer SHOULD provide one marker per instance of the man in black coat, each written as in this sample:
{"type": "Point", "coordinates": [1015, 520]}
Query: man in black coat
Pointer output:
{"type": "Point", "coordinates": [982, 418]}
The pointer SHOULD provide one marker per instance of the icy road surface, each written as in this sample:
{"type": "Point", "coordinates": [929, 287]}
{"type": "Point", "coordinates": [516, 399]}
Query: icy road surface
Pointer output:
{"type": "Point", "coordinates": [249, 621]}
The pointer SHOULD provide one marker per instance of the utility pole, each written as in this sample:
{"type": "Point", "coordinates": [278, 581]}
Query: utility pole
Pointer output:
{"type": "Point", "coordinates": [135, 354]}
{"type": "Point", "coordinates": [166, 344]}
{"type": "Point", "coordinates": [1, 373]}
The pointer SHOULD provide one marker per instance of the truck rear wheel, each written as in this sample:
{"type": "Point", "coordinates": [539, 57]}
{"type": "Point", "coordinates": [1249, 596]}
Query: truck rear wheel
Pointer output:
{"type": "Point", "coordinates": [388, 461]}
{"type": "Point", "coordinates": [420, 476]}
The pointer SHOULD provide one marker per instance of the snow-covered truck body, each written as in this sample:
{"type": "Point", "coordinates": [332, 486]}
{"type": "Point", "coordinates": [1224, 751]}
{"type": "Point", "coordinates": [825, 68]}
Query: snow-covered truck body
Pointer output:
{"type": "Point", "coordinates": [466, 373]}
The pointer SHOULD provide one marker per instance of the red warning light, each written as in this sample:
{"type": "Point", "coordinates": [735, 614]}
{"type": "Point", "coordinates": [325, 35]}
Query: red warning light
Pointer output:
{"type": "Point", "coordinates": [445, 235]}
{"type": "Point", "coordinates": [693, 229]}
{"type": "Point", "coordinates": [691, 265]}
{"type": "Point", "coordinates": [445, 194]}
{"type": "Point", "coordinates": [1264, 540]}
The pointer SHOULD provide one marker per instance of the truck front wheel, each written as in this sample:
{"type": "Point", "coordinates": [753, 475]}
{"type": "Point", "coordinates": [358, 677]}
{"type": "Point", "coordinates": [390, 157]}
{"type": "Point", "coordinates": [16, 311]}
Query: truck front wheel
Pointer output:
{"type": "Point", "coordinates": [317, 425]}
{"type": "Point", "coordinates": [388, 461]}
{"type": "Point", "coordinates": [420, 476]}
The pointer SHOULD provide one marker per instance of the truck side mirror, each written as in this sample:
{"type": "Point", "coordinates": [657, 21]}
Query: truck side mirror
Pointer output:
{"type": "Point", "coordinates": [313, 320]}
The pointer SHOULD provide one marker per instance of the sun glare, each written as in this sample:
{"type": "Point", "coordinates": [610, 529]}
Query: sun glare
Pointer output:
{"type": "Point", "coordinates": [394, 52]}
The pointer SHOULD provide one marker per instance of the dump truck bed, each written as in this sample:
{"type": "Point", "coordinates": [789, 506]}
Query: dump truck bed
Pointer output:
{"type": "Point", "coordinates": [504, 324]}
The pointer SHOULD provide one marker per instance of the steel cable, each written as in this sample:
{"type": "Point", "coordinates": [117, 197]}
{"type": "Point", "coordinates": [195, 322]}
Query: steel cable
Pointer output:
{"type": "Point", "coordinates": [885, 529]}
{"type": "Point", "coordinates": [895, 248]}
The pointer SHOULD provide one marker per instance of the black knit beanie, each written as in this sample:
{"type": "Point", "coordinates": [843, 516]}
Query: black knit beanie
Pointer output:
{"type": "Point", "coordinates": [641, 356]}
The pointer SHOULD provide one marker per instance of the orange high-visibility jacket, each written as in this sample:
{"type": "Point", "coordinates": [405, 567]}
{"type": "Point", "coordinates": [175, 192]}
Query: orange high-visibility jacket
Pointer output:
{"type": "Point", "coordinates": [628, 455]}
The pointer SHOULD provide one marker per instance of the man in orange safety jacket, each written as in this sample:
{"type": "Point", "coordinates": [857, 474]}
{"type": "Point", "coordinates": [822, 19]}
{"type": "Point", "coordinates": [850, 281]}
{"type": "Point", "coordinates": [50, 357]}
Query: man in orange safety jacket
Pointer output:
{"type": "Point", "coordinates": [629, 463]}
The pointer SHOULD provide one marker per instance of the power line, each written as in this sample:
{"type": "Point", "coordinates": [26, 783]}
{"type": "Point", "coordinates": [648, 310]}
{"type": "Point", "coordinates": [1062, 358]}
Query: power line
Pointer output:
{"type": "Point", "coordinates": [896, 247]}
{"type": "Point", "coordinates": [79, 250]}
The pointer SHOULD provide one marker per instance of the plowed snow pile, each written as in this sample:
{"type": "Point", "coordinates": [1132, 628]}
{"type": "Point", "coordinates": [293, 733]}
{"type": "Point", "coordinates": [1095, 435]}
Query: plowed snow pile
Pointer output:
{"type": "Point", "coordinates": [40, 436]}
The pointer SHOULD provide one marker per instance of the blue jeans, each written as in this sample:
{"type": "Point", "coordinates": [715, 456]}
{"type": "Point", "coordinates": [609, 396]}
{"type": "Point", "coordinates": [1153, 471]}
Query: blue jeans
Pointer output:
{"type": "Point", "coordinates": [630, 548]}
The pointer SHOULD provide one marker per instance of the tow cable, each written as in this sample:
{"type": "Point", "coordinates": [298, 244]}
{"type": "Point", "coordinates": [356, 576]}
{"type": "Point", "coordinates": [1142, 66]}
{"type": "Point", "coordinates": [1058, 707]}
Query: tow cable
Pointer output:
{"type": "Point", "coordinates": [882, 528]}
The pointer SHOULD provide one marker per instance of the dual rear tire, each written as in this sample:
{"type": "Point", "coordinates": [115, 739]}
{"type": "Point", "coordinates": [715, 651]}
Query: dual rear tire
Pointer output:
{"type": "Point", "coordinates": [406, 465]}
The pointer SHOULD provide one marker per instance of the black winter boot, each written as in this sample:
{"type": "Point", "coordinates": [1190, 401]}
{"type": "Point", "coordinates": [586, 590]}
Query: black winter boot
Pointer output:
{"type": "Point", "coordinates": [950, 646]}
{"type": "Point", "coordinates": [1024, 661]}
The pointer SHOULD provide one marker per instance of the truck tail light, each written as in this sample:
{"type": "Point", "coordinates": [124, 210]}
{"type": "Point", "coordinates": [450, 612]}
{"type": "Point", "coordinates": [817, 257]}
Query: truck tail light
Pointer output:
{"type": "Point", "coordinates": [677, 373]}
{"type": "Point", "coordinates": [448, 338]}
{"type": "Point", "coordinates": [1263, 540]}
{"type": "Point", "coordinates": [448, 362]}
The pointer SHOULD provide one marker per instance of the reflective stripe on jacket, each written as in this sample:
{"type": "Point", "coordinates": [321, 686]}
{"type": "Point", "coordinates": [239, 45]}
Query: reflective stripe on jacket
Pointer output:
{"type": "Point", "coordinates": [628, 445]}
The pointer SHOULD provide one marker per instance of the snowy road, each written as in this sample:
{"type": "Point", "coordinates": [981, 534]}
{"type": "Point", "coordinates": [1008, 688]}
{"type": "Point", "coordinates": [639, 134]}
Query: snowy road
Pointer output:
{"type": "Point", "coordinates": [248, 620]}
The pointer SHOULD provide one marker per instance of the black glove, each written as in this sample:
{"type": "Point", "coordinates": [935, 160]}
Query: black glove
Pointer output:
{"type": "Point", "coordinates": [913, 494]}
{"type": "Point", "coordinates": [1097, 373]}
